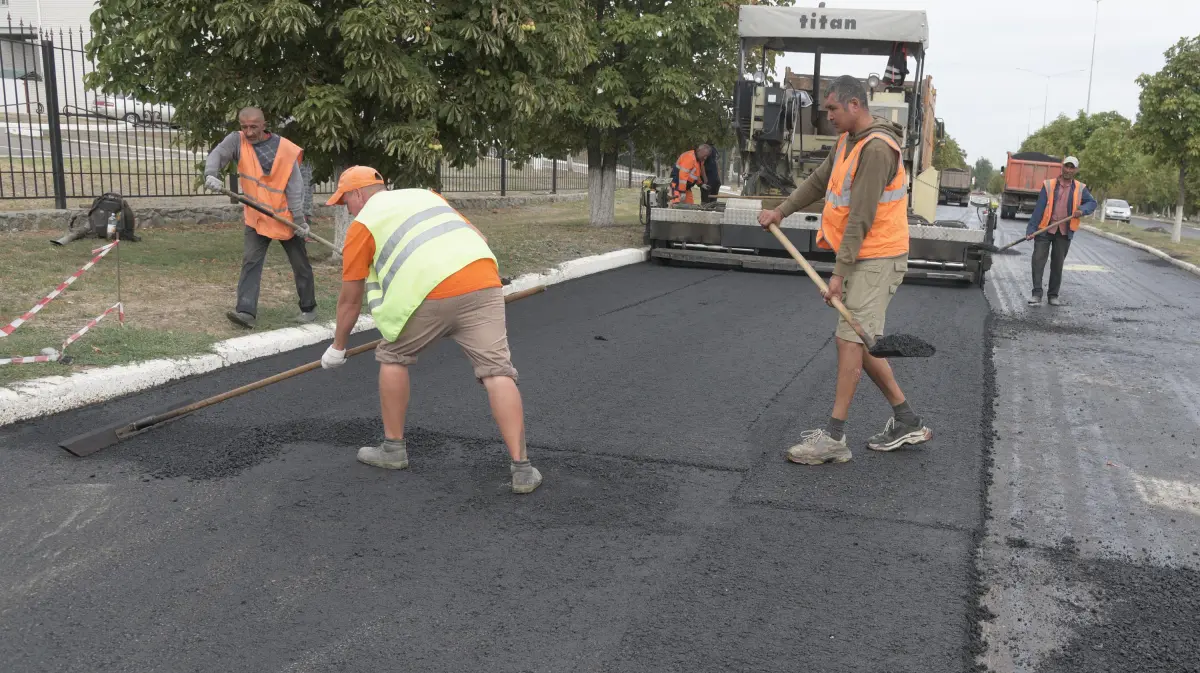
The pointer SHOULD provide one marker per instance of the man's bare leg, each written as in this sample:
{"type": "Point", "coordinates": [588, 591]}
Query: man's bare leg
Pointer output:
{"type": "Point", "coordinates": [905, 427]}
{"type": "Point", "coordinates": [880, 372]}
{"type": "Point", "coordinates": [850, 366]}
{"type": "Point", "coordinates": [393, 402]}
{"type": "Point", "coordinates": [505, 400]}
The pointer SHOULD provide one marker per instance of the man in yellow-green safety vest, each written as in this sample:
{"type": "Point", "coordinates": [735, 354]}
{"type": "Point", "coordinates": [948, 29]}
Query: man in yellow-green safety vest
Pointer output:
{"type": "Point", "coordinates": [427, 273]}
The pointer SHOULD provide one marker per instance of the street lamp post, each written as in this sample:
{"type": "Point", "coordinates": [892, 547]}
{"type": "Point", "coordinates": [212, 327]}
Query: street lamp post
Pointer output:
{"type": "Point", "coordinates": [1095, 27]}
{"type": "Point", "coordinates": [1046, 103]}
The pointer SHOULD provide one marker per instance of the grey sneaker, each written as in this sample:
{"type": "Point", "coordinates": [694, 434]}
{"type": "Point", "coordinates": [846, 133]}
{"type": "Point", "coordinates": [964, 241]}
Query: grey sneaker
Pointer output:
{"type": "Point", "coordinates": [390, 455]}
{"type": "Point", "coordinates": [1054, 301]}
{"type": "Point", "coordinates": [896, 435]}
{"type": "Point", "coordinates": [306, 317]}
{"type": "Point", "coordinates": [818, 447]}
{"type": "Point", "coordinates": [525, 477]}
{"type": "Point", "coordinates": [1035, 300]}
{"type": "Point", "coordinates": [240, 319]}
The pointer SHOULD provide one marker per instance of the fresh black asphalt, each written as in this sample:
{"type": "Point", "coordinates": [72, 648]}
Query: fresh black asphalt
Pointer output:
{"type": "Point", "coordinates": [670, 534]}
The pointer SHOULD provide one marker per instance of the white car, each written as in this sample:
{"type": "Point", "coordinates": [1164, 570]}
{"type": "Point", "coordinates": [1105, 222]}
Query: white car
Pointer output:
{"type": "Point", "coordinates": [130, 110]}
{"type": "Point", "coordinates": [1116, 209]}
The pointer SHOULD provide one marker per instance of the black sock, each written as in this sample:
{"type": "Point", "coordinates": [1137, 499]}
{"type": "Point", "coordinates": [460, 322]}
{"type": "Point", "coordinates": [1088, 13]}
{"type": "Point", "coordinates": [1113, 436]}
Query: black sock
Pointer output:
{"type": "Point", "coordinates": [836, 428]}
{"type": "Point", "coordinates": [904, 414]}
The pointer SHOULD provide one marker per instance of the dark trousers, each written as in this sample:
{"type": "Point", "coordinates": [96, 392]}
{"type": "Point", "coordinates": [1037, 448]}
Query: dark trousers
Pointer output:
{"type": "Point", "coordinates": [255, 251]}
{"type": "Point", "coordinates": [1052, 246]}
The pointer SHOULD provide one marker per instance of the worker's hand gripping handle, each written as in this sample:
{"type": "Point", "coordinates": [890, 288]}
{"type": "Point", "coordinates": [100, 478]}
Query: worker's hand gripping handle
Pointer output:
{"type": "Point", "coordinates": [867, 339]}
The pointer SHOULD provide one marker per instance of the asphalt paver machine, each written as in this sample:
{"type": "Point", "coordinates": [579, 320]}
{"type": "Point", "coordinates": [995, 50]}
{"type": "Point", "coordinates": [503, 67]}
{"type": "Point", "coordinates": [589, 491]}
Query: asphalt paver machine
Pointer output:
{"type": "Point", "coordinates": [783, 134]}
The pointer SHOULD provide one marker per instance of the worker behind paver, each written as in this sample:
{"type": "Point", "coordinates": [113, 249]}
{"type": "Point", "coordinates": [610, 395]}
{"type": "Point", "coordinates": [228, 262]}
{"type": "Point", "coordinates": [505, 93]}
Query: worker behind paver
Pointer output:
{"type": "Point", "coordinates": [1071, 198]}
{"type": "Point", "coordinates": [868, 227]}
{"type": "Point", "coordinates": [427, 273]}
{"type": "Point", "coordinates": [269, 165]}
{"type": "Point", "coordinates": [687, 173]}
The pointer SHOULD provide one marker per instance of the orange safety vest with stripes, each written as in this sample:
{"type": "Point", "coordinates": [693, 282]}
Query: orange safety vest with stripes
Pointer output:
{"type": "Point", "coordinates": [1076, 201]}
{"type": "Point", "coordinates": [691, 172]}
{"type": "Point", "coordinates": [268, 189]}
{"type": "Point", "coordinates": [888, 236]}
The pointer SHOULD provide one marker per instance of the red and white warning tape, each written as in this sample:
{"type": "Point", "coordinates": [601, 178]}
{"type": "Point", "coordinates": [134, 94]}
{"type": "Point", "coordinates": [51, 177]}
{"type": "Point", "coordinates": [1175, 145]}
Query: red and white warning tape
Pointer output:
{"type": "Point", "coordinates": [28, 360]}
{"type": "Point", "coordinates": [92, 323]}
{"type": "Point", "coordinates": [12, 327]}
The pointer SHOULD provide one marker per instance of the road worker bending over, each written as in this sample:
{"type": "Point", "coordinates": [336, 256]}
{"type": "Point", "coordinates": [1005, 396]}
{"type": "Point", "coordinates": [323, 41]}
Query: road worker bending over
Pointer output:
{"type": "Point", "coordinates": [427, 273]}
{"type": "Point", "coordinates": [688, 172]}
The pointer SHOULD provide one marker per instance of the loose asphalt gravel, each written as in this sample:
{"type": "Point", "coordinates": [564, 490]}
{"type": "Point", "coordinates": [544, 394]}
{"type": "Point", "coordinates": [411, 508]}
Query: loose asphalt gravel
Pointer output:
{"type": "Point", "coordinates": [670, 534]}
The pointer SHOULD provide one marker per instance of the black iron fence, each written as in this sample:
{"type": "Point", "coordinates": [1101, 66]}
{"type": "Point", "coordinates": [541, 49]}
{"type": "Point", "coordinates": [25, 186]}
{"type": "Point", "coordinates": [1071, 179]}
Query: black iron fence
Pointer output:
{"type": "Point", "coordinates": [63, 140]}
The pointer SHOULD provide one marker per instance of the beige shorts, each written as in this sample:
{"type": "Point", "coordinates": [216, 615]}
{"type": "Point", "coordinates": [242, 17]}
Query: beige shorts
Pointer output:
{"type": "Point", "coordinates": [474, 320]}
{"type": "Point", "coordinates": [867, 291]}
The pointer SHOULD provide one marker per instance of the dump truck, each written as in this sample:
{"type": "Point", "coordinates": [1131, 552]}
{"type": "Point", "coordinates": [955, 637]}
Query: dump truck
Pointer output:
{"type": "Point", "coordinates": [1024, 174]}
{"type": "Point", "coordinates": [954, 186]}
{"type": "Point", "coordinates": [783, 134]}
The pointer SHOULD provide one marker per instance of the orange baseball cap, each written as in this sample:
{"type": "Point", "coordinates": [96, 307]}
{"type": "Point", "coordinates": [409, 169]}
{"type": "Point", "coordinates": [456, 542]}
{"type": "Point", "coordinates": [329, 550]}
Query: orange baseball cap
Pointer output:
{"type": "Point", "coordinates": [355, 177]}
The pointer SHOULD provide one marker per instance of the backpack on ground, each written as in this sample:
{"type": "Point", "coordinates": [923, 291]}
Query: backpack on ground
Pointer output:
{"type": "Point", "coordinates": [95, 222]}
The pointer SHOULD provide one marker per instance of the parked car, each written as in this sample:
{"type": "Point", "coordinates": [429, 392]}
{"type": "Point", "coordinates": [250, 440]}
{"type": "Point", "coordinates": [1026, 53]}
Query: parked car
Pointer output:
{"type": "Point", "coordinates": [130, 110]}
{"type": "Point", "coordinates": [1116, 209]}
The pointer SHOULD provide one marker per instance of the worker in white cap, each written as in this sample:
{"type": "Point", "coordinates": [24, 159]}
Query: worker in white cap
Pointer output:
{"type": "Point", "coordinates": [1062, 199]}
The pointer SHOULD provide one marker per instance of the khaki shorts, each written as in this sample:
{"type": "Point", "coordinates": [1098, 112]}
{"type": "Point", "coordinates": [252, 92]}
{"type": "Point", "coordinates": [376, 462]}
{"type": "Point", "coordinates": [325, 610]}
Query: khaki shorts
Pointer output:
{"type": "Point", "coordinates": [474, 320]}
{"type": "Point", "coordinates": [867, 291]}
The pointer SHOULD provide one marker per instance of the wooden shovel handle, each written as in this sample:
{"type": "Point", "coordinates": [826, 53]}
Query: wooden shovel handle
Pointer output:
{"type": "Point", "coordinates": [867, 339]}
{"type": "Point", "coordinates": [1039, 232]}
{"type": "Point", "coordinates": [276, 216]}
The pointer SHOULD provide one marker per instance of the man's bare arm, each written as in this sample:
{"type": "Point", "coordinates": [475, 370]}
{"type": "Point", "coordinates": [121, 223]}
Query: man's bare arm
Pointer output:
{"type": "Point", "coordinates": [349, 306]}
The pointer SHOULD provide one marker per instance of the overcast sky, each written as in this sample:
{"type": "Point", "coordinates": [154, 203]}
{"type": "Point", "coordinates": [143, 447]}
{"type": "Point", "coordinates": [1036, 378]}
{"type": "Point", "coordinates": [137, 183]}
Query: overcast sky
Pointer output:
{"type": "Point", "coordinates": [975, 48]}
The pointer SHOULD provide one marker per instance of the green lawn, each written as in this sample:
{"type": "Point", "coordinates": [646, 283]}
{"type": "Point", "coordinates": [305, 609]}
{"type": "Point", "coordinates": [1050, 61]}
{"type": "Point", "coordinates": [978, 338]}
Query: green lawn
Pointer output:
{"type": "Point", "coordinates": [178, 282]}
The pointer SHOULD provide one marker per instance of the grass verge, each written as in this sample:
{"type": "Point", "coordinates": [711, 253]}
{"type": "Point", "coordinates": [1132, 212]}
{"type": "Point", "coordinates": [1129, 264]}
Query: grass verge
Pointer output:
{"type": "Point", "coordinates": [1187, 250]}
{"type": "Point", "coordinates": [178, 282]}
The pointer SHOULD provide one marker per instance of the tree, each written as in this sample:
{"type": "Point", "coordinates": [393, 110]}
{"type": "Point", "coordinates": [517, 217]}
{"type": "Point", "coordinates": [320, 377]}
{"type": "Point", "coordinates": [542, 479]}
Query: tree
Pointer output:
{"type": "Point", "coordinates": [995, 184]}
{"type": "Point", "coordinates": [947, 154]}
{"type": "Point", "coordinates": [983, 172]}
{"type": "Point", "coordinates": [1107, 157]}
{"type": "Point", "coordinates": [395, 84]}
{"type": "Point", "coordinates": [1168, 124]}
{"type": "Point", "coordinates": [660, 77]}
{"type": "Point", "coordinates": [1054, 139]}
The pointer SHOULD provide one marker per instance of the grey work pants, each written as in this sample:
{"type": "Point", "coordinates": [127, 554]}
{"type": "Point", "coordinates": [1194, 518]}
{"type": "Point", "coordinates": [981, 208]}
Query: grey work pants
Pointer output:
{"type": "Point", "coordinates": [1054, 247]}
{"type": "Point", "coordinates": [255, 251]}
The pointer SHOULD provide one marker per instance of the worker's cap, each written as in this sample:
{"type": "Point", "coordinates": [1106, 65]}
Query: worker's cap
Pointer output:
{"type": "Point", "coordinates": [1071, 160]}
{"type": "Point", "coordinates": [355, 177]}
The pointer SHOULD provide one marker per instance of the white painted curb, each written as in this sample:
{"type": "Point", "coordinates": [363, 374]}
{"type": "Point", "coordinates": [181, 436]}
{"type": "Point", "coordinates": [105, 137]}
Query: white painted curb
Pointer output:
{"type": "Point", "coordinates": [1186, 266]}
{"type": "Point", "coordinates": [53, 394]}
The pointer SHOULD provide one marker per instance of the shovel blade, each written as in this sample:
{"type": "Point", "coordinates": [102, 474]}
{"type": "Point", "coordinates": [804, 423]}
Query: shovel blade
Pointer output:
{"type": "Point", "coordinates": [90, 442]}
{"type": "Point", "coordinates": [902, 346]}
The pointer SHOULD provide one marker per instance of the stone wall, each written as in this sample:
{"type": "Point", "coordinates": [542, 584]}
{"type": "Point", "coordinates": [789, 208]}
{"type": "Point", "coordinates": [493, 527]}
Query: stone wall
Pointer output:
{"type": "Point", "coordinates": [158, 216]}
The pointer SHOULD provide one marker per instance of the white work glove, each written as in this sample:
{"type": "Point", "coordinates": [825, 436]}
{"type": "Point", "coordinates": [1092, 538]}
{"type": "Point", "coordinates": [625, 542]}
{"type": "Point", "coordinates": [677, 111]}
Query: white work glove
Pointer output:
{"type": "Point", "coordinates": [302, 228]}
{"type": "Point", "coordinates": [333, 358]}
{"type": "Point", "coordinates": [214, 183]}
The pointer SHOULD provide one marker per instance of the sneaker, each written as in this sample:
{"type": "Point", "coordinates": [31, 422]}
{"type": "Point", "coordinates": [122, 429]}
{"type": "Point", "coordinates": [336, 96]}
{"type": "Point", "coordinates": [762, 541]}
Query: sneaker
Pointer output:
{"type": "Point", "coordinates": [388, 455]}
{"type": "Point", "coordinates": [1054, 301]}
{"type": "Point", "coordinates": [1035, 300]}
{"type": "Point", "coordinates": [525, 477]}
{"type": "Point", "coordinates": [306, 317]}
{"type": "Point", "coordinates": [818, 447]}
{"type": "Point", "coordinates": [896, 435]}
{"type": "Point", "coordinates": [240, 319]}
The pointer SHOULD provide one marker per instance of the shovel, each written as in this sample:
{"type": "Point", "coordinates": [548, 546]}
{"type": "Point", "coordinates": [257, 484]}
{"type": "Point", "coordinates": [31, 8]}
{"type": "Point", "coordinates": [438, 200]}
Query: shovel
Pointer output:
{"type": "Point", "coordinates": [90, 442]}
{"type": "Point", "coordinates": [894, 346]}
{"type": "Point", "coordinates": [1039, 232]}
{"type": "Point", "coordinates": [275, 216]}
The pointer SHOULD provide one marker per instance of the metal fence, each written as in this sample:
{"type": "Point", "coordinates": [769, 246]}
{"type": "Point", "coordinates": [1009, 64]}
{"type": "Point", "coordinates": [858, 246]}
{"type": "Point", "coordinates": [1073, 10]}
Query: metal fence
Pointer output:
{"type": "Point", "coordinates": [63, 140]}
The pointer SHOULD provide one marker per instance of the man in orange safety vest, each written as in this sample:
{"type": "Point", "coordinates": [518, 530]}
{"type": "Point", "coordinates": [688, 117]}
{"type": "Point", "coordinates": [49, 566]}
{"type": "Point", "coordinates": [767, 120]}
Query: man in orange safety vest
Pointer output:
{"type": "Point", "coordinates": [687, 173]}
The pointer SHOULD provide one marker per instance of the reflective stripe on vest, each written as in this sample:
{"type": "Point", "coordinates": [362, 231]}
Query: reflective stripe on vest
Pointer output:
{"type": "Point", "coordinates": [268, 189]}
{"type": "Point", "coordinates": [1076, 201]}
{"type": "Point", "coordinates": [420, 242]}
{"type": "Point", "coordinates": [888, 235]}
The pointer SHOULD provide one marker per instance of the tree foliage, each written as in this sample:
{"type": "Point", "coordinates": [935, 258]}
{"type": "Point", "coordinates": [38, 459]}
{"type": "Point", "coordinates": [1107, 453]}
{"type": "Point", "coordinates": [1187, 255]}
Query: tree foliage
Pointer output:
{"type": "Point", "coordinates": [947, 154]}
{"type": "Point", "coordinates": [983, 172]}
{"type": "Point", "coordinates": [995, 184]}
{"type": "Point", "coordinates": [1168, 125]}
{"type": "Point", "coordinates": [395, 84]}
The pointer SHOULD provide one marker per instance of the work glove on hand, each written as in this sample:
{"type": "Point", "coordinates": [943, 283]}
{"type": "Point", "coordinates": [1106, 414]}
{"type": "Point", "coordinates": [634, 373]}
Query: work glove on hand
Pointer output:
{"type": "Point", "coordinates": [333, 358]}
{"type": "Point", "coordinates": [302, 228]}
{"type": "Point", "coordinates": [214, 183]}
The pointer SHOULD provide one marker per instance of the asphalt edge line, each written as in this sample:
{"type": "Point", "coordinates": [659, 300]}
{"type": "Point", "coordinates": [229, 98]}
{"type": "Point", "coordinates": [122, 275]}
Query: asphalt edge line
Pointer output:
{"type": "Point", "coordinates": [53, 394]}
{"type": "Point", "coordinates": [1186, 266]}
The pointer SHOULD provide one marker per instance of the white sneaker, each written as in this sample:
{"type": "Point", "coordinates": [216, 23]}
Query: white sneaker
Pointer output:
{"type": "Point", "coordinates": [818, 447]}
{"type": "Point", "coordinates": [388, 455]}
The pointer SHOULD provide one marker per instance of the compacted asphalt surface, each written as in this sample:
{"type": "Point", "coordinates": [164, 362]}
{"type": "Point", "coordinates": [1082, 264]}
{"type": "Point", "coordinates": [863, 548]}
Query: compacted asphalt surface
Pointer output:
{"type": "Point", "coordinates": [670, 533]}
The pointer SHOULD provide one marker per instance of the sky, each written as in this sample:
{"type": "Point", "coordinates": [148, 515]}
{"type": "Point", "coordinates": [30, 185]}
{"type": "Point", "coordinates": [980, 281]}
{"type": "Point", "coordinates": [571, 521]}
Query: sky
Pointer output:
{"type": "Point", "coordinates": [977, 46]}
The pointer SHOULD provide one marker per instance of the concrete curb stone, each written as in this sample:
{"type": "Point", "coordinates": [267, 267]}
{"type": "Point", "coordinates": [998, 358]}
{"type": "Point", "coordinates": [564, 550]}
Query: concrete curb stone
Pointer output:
{"type": "Point", "coordinates": [1186, 266]}
{"type": "Point", "coordinates": [149, 217]}
{"type": "Point", "coordinates": [53, 394]}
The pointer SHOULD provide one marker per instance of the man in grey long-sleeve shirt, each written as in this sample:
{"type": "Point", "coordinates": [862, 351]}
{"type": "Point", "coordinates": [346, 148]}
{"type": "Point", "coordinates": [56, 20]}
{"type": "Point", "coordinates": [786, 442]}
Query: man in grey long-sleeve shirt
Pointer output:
{"type": "Point", "coordinates": [865, 220]}
{"type": "Point", "coordinates": [257, 182]}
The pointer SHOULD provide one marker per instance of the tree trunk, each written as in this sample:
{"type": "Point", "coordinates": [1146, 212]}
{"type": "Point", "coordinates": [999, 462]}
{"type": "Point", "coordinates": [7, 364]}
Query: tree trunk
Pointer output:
{"type": "Point", "coordinates": [341, 220]}
{"type": "Point", "coordinates": [1177, 232]}
{"type": "Point", "coordinates": [602, 185]}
